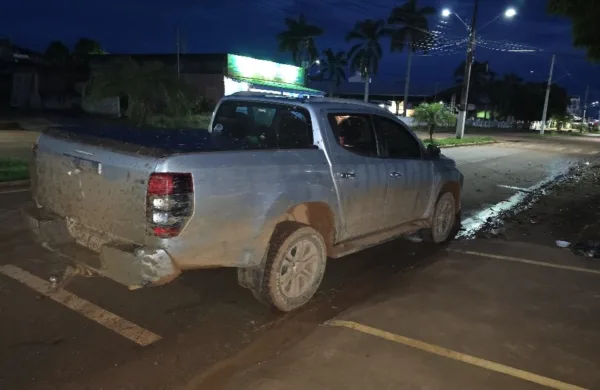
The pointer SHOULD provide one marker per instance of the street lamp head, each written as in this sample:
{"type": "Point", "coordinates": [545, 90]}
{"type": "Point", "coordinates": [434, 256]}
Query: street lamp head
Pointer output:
{"type": "Point", "coordinates": [511, 12]}
{"type": "Point", "coordinates": [446, 12]}
{"type": "Point", "coordinates": [318, 62]}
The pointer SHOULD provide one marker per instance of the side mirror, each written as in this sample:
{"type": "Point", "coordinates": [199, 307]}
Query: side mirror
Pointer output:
{"type": "Point", "coordinates": [433, 151]}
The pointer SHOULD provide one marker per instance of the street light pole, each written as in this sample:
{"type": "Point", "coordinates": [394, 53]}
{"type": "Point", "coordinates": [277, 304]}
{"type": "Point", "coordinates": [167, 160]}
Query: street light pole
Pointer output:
{"type": "Point", "coordinates": [587, 90]}
{"type": "Point", "coordinates": [462, 108]}
{"type": "Point", "coordinates": [545, 112]}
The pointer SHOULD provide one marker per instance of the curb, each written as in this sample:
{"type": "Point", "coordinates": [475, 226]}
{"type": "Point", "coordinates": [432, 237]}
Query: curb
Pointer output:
{"type": "Point", "coordinates": [17, 184]}
{"type": "Point", "coordinates": [471, 144]}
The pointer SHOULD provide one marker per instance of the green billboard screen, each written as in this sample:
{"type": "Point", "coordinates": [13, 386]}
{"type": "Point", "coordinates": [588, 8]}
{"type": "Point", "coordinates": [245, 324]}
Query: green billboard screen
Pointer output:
{"type": "Point", "coordinates": [252, 68]}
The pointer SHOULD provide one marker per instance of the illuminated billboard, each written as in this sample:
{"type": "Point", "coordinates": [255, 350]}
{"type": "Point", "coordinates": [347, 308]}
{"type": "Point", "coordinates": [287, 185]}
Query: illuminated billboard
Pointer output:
{"type": "Point", "coordinates": [255, 69]}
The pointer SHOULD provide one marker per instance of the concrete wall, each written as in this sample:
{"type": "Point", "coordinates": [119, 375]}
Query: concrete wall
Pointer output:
{"type": "Point", "coordinates": [489, 123]}
{"type": "Point", "coordinates": [108, 106]}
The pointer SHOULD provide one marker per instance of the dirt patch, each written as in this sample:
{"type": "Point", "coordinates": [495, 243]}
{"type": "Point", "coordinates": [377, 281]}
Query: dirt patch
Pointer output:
{"type": "Point", "coordinates": [567, 210]}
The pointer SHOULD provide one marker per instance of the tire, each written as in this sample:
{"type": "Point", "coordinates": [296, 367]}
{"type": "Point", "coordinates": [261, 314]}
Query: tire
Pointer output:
{"type": "Point", "coordinates": [445, 222]}
{"type": "Point", "coordinates": [289, 279]}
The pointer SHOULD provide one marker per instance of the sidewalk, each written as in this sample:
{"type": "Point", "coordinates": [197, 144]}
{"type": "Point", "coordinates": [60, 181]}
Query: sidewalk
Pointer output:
{"type": "Point", "coordinates": [510, 313]}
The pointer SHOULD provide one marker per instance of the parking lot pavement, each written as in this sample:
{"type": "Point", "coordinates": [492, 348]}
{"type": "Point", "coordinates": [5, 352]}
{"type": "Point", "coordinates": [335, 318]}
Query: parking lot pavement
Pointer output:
{"type": "Point", "coordinates": [511, 320]}
{"type": "Point", "coordinates": [86, 338]}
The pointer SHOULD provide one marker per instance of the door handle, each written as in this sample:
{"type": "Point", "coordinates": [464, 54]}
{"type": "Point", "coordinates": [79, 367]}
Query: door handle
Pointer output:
{"type": "Point", "coordinates": [396, 174]}
{"type": "Point", "coordinates": [347, 175]}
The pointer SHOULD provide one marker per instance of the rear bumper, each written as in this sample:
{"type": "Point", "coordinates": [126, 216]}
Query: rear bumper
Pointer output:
{"type": "Point", "coordinates": [131, 265]}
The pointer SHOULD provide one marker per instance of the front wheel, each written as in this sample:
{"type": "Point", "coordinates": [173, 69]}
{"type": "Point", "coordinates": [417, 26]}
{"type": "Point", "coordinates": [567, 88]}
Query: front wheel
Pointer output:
{"type": "Point", "coordinates": [445, 223]}
{"type": "Point", "coordinates": [294, 266]}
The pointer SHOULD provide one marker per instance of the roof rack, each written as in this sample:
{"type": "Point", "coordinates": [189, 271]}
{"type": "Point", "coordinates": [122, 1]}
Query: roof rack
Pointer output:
{"type": "Point", "coordinates": [348, 101]}
{"type": "Point", "coordinates": [301, 96]}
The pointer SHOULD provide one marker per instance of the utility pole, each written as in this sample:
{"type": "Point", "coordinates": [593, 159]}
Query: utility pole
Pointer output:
{"type": "Point", "coordinates": [545, 112]}
{"type": "Point", "coordinates": [464, 97]}
{"type": "Point", "coordinates": [587, 90]}
{"type": "Point", "coordinates": [178, 51]}
{"type": "Point", "coordinates": [436, 91]}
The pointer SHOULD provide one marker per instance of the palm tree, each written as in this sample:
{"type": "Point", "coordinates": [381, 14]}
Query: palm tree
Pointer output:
{"type": "Point", "coordinates": [333, 68]}
{"type": "Point", "coordinates": [299, 39]}
{"type": "Point", "coordinates": [365, 55]}
{"type": "Point", "coordinates": [412, 32]}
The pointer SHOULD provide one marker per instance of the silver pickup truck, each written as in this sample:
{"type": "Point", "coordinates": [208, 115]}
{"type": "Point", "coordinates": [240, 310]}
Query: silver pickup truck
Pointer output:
{"type": "Point", "coordinates": [274, 187]}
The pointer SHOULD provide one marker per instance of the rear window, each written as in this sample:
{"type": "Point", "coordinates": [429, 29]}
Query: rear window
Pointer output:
{"type": "Point", "coordinates": [255, 125]}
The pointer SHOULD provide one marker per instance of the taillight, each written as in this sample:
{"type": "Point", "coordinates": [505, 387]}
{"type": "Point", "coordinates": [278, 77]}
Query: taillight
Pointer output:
{"type": "Point", "coordinates": [170, 203]}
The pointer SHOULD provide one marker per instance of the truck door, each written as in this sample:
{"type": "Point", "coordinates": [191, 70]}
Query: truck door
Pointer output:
{"type": "Point", "coordinates": [410, 177]}
{"type": "Point", "coordinates": [360, 174]}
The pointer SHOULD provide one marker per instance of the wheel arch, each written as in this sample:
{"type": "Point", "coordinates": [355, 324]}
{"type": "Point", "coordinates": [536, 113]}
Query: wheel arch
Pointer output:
{"type": "Point", "coordinates": [453, 187]}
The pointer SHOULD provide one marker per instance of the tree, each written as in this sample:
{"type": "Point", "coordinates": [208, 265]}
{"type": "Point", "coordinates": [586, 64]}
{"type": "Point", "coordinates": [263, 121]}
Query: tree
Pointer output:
{"type": "Point", "coordinates": [57, 53]}
{"type": "Point", "coordinates": [584, 17]}
{"type": "Point", "coordinates": [365, 55]}
{"type": "Point", "coordinates": [503, 94]}
{"type": "Point", "coordinates": [333, 68]}
{"type": "Point", "coordinates": [86, 47]}
{"type": "Point", "coordinates": [299, 40]}
{"type": "Point", "coordinates": [151, 89]}
{"type": "Point", "coordinates": [411, 32]}
{"type": "Point", "coordinates": [529, 102]}
{"type": "Point", "coordinates": [481, 78]}
{"type": "Point", "coordinates": [433, 114]}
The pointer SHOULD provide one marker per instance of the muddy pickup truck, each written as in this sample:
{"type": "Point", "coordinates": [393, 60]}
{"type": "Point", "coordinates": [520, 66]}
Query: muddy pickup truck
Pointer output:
{"type": "Point", "coordinates": [274, 187]}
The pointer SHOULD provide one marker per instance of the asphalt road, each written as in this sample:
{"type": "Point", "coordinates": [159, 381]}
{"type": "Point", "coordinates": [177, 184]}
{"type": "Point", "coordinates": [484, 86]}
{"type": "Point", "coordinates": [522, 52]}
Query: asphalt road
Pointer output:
{"type": "Point", "coordinates": [202, 317]}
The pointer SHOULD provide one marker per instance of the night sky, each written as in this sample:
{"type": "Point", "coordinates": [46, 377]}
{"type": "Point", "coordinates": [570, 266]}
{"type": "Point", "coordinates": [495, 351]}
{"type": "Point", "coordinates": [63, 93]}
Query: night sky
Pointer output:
{"type": "Point", "coordinates": [249, 27]}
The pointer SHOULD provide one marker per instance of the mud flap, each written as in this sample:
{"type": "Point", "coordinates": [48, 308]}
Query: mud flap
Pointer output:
{"type": "Point", "coordinates": [252, 277]}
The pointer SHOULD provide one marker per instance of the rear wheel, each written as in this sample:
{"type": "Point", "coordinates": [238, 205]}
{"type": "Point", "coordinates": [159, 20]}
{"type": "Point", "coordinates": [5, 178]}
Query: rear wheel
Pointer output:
{"type": "Point", "coordinates": [294, 266]}
{"type": "Point", "coordinates": [445, 222]}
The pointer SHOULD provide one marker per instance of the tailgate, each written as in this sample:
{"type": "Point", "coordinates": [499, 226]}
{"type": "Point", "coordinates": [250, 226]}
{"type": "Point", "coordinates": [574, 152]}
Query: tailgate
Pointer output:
{"type": "Point", "coordinates": [97, 190]}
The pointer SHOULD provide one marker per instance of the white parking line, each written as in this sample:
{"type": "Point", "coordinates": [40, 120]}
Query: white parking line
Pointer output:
{"type": "Point", "coordinates": [95, 313]}
{"type": "Point", "coordinates": [527, 261]}
{"type": "Point", "coordinates": [455, 355]}
{"type": "Point", "coordinates": [15, 191]}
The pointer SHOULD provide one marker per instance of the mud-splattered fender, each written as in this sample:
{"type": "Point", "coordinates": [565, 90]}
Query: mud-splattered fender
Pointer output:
{"type": "Point", "coordinates": [445, 173]}
{"type": "Point", "coordinates": [280, 210]}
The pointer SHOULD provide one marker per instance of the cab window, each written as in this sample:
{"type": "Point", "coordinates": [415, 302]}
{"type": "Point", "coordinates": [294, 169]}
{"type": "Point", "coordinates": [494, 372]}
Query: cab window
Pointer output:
{"type": "Point", "coordinates": [257, 125]}
{"type": "Point", "coordinates": [354, 132]}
